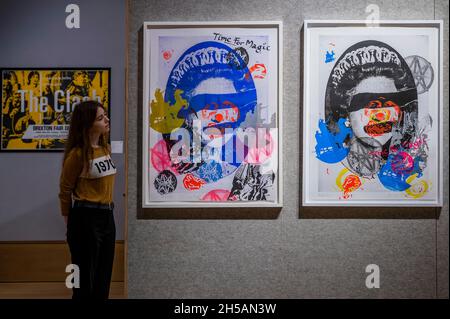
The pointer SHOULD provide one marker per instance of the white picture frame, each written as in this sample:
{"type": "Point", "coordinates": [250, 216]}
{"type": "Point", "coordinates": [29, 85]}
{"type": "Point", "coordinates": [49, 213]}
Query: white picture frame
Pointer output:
{"type": "Point", "coordinates": [255, 54]}
{"type": "Point", "coordinates": [358, 107]}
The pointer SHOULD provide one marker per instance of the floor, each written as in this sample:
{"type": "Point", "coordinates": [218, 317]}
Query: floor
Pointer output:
{"type": "Point", "coordinates": [48, 290]}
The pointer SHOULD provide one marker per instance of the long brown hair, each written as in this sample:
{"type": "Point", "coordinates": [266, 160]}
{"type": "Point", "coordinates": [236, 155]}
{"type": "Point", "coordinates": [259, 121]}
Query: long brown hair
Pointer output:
{"type": "Point", "coordinates": [83, 117]}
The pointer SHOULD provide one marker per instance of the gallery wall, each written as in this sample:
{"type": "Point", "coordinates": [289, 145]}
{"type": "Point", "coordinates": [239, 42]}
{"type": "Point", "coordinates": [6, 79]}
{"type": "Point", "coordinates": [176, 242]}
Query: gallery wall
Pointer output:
{"type": "Point", "coordinates": [34, 34]}
{"type": "Point", "coordinates": [298, 252]}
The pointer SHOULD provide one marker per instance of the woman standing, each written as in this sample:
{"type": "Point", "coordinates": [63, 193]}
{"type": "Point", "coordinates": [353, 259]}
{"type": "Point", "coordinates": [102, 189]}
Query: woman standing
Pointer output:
{"type": "Point", "coordinates": [87, 177]}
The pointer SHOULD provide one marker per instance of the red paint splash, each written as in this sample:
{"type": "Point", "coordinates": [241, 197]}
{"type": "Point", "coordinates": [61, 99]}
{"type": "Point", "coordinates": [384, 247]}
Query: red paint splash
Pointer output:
{"type": "Point", "coordinates": [258, 70]}
{"type": "Point", "coordinates": [379, 129]}
{"type": "Point", "coordinates": [351, 183]}
{"type": "Point", "coordinates": [192, 183]}
{"type": "Point", "coordinates": [227, 112]}
{"type": "Point", "coordinates": [381, 119]}
{"type": "Point", "coordinates": [167, 55]}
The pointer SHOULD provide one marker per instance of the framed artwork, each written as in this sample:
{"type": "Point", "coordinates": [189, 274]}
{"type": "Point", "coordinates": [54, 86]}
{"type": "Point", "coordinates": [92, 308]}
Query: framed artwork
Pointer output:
{"type": "Point", "coordinates": [212, 114]}
{"type": "Point", "coordinates": [373, 104]}
{"type": "Point", "coordinates": [37, 104]}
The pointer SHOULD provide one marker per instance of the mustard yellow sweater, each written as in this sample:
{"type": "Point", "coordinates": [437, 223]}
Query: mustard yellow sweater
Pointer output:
{"type": "Point", "coordinates": [94, 185]}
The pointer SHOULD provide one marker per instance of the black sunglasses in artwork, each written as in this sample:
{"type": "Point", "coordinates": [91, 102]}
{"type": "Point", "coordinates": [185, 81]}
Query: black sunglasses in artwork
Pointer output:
{"type": "Point", "coordinates": [377, 106]}
{"type": "Point", "coordinates": [379, 100]}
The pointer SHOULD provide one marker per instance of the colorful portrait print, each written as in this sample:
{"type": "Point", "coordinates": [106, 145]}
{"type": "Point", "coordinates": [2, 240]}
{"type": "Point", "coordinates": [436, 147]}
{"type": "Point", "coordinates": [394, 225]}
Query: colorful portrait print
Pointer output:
{"type": "Point", "coordinates": [212, 131]}
{"type": "Point", "coordinates": [371, 120]}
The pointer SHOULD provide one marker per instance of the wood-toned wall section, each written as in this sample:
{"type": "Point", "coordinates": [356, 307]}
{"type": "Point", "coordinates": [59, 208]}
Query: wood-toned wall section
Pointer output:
{"type": "Point", "coordinates": [24, 262]}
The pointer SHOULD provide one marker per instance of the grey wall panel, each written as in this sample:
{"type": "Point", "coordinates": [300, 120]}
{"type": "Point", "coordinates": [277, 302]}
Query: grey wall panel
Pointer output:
{"type": "Point", "coordinates": [441, 12]}
{"type": "Point", "coordinates": [314, 254]}
{"type": "Point", "coordinates": [198, 258]}
{"type": "Point", "coordinates": [33, 34]}
{"type": "Point", "coordinates": [340, 250]}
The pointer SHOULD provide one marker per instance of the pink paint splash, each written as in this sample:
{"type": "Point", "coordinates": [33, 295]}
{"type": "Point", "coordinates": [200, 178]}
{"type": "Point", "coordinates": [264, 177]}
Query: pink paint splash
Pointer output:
{"type": "Point", "coordinates": [402, 163]}
{"type": "Point", "coordinates": [160, 158]}
{"type": "Point", "coordinates": [217, 195]}
{"type": "Point", "coordinates": [259, 155]}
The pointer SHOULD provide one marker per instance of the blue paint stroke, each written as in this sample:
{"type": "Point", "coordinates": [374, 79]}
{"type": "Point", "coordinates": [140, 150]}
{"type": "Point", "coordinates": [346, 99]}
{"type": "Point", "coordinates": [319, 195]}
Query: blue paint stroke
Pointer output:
{"type": "Point", "coordinates": [230, 155]}
{"type": "Point", "coordinates": [329, 57]}
{"type": "Point", "coordinates": [391, 180]}
{"type": "Point", "coordinates": [417, 161]}
{"type": "Point", "coordinates": [330, 147]}
{"type": "Point", "coordinates": [210, 171]}
{"type": "Point", "coordinates": [396, 180]}
{"type": "Point", "coordinates": [203, 63]}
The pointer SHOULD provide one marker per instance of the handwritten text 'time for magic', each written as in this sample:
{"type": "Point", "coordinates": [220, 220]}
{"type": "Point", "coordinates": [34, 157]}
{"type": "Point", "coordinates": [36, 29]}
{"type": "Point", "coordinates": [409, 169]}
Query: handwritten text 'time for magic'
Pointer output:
{"type": "Point", "coordinates": [237, 41]}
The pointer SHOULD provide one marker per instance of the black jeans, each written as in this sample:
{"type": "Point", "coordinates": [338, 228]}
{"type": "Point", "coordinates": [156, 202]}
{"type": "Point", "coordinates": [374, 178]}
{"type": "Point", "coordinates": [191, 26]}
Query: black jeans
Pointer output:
{"type": "Point", "coordinates": [91, 235]}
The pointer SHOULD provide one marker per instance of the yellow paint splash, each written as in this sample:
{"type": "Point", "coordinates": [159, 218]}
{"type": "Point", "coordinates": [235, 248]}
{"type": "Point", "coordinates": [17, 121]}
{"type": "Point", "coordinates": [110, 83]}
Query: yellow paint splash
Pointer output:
{"type": "Point", "coordinates": [339, 178]}
{"type": "Point", "coordinates": [418, 189]}
{"type": "Point", "coordinates": [163, 116]}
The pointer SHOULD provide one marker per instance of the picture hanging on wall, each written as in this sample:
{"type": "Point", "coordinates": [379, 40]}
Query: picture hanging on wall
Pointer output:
{"type": "Point", "coordinates": [373, 113]}
{"type": "Point", "coordinates": [212, 114]}
{"type": "Point", "coordinates": [37, 104]}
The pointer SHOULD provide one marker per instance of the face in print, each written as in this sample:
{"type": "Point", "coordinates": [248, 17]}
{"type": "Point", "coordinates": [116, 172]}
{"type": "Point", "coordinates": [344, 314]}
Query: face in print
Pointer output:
{"type": "Point", "coordinates": [376, 109]}
{"type": "Point", "coordinates": [371, 115]}
{"type": "Point", "coordinates": [218, 95]}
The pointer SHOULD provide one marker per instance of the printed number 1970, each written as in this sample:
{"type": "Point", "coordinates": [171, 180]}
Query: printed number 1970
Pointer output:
{"type": "Point", "coordinates": [101, 166]}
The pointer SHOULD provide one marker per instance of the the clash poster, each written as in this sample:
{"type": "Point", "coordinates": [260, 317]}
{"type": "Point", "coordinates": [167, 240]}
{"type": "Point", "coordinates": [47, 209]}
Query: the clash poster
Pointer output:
{"type": "Point", "coordinates": [37, 104]}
